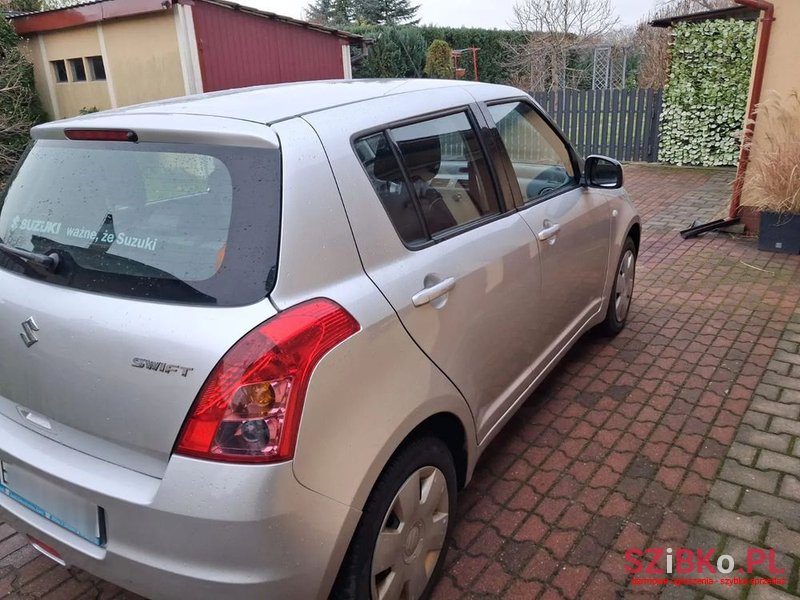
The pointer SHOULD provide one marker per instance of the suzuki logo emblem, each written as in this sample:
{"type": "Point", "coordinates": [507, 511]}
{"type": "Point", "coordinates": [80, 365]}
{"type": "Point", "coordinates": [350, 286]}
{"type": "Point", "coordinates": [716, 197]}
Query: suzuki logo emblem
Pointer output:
{"type": "Point", "coordinates": [28, 334]}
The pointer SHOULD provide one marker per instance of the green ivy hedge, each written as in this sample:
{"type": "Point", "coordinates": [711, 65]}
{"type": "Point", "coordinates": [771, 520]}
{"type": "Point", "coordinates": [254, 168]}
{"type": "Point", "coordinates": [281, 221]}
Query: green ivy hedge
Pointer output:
{"type": "Point", "coordinates": [706, 95]}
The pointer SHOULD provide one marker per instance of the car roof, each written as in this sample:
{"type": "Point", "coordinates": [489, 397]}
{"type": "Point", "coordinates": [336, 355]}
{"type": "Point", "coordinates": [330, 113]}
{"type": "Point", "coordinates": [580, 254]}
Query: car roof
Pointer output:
{"type": "Point", "coordinates": [273, 103]}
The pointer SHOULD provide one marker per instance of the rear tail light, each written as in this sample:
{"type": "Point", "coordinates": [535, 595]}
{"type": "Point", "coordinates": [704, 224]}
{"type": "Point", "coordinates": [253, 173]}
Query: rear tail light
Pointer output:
{"type": "Point", "coordinates": [249, 408]}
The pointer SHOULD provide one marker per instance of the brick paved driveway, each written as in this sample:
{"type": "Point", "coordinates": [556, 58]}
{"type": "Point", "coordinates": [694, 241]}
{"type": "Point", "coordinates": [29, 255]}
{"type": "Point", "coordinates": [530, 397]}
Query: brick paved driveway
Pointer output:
{"type": "Point", "coordinates": [681, 431]}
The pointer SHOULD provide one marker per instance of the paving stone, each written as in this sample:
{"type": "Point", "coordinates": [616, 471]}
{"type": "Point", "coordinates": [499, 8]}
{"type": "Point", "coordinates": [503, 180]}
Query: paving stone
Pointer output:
{"type": "Point", "coordinates": [781, 409]}
{"type": "Point", "coordinates": [700, 537]}
{"type": "Point", "coordinates": [766, 592]}
{"type": "Point", "coordinates": [739, 549]}
{"type": "Point", "coordinates": [770, 392]}
{"type": "Point", "coordinates": [783, 539]}
{"type": "Point", "coordinates": [782, 381]}
{"type": "Point", "coordinates": [678, 592]}
{"type": "Point", "coordinates": [778, 462]}
{"type": "Point", "coordinates": [781, 368]}
{"type": "Point", "coordinates": [792, 396]}
{"type": "Point", "coordinates": [769, 505]}
{"type": "Point", "coordinates": [761, 439]}
{"type": "Point", "coordinates": [790, 488]}
{"type": "Point", "coordinates": [787, 357]}
{"type": "Point", "coordinates": [753, 478]}
{"type": "Point", "coordinates": [722, 591]}
{"type": "Point", "coordinates": [756, 420]}
{"type": "Point", "coordinates": [727, 494]}
{"type": "Point", "coordinates": [743, 453]}
{"type": "Point", "coordinates": [781, 425]}
{"type": "Point", "coordinates": [726, 521]}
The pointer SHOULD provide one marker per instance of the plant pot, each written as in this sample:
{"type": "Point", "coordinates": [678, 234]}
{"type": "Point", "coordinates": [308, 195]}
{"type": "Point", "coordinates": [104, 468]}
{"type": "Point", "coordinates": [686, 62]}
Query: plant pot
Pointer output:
{"type": "Point", "coordinates": [779, 232]}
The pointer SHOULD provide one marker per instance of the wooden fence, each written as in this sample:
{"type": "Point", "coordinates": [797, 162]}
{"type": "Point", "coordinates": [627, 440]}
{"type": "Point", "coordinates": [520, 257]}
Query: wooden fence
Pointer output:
{"type": "Point", "coordinates": [622, 124]}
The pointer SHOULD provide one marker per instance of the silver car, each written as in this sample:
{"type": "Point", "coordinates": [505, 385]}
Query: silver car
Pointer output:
{"type": "Point", "coordinates": [253, 343]}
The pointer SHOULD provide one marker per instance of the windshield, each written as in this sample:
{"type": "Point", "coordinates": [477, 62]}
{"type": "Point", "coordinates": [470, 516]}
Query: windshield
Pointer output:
{"type": "Point", "coordinates": [172, 222]}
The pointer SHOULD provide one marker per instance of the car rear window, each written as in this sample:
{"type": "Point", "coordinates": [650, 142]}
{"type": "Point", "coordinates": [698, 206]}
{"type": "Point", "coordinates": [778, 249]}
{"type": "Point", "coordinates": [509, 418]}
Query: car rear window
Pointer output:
{"type": "Point", "coordinates": [169, 222]}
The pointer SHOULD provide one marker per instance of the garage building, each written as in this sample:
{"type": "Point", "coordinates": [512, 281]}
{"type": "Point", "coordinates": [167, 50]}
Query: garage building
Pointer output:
{"type": "Point", "coordinates": [112, 53]}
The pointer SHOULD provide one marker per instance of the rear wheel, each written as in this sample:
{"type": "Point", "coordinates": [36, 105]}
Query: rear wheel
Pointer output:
{"type": "Point", "coordinates": [622, 293]}
{"type": "Point", "coordinates": [400, 543]}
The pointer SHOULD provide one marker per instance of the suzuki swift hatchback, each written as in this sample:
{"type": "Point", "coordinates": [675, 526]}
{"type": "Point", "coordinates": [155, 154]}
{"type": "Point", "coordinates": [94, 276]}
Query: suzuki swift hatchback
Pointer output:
{"type": "Point", "coordinates": [252, 343]}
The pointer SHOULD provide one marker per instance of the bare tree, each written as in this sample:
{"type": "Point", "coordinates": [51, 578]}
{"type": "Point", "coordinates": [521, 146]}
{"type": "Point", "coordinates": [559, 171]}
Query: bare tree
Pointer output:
{"type": "Point", "coordinates": [556, 31]}
{"type": "Point", "coordinates": [19, 104]}
{"type": "Point", "coordinates": [653, 43]}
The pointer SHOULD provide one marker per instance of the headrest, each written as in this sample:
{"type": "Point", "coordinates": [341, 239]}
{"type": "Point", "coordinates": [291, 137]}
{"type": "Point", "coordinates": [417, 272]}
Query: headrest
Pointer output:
{"type": "Point", "coordinates": [385, 165]}
{"type": "Point", "coordinates": [423, 157]}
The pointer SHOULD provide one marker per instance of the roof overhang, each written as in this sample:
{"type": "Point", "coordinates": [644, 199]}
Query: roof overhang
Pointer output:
{"type": "Point", "coordinates": [87, 14]}
{"type": "Point", "coordinates": [741, 13]}
{"type": "Point", "coordinates": [103, 10]}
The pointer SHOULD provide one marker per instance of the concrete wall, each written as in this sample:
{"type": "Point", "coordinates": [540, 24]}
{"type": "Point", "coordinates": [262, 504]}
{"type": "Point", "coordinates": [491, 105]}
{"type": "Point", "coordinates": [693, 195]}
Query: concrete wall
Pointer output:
{"type": "Point", "coordinates": [782, 74]}
{"type": "Point", "coordinates": [141, 57]}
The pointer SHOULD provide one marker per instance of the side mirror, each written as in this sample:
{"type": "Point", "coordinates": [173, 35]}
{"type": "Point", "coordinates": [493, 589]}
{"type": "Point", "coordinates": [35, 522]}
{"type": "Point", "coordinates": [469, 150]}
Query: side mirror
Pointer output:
{"type": "Point", "coordinates": [602, 172]}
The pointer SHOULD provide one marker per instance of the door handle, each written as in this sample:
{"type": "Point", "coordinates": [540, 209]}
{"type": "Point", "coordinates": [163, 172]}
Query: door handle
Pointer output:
{"type": "Point", "coordinates": [550, 232]}
{"type": "Point", "coordinates": [429, 294]}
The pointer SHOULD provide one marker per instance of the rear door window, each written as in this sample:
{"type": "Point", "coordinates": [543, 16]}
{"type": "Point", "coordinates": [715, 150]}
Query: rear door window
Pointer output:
{"type": "Point", "coordinates": [432, 177]}
{"type": "Point", "coordinates": [174, 222]}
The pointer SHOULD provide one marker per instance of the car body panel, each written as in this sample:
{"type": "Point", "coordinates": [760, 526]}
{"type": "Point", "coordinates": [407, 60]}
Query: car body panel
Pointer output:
{"type": "Point", "coordinates": [574, 261]}
{"type": "Point", "coordinates": [495, 265]}
{"type": "Point", "coordinates": [348, 436]}
{"type": "Point", "coordinates": [204, 530]}
{"type": "Point", "coordinates": [80, 375]}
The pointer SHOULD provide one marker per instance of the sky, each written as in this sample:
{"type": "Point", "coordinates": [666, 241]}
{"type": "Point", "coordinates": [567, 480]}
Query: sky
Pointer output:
{"type": "Point", "coordinates": [467, 13]}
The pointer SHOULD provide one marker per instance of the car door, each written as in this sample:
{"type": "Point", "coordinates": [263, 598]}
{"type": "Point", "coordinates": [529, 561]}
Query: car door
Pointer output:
{"type": "Point", "coordinates": [572, 223]}
{"type": "Point", "coordinates": [460, 270]}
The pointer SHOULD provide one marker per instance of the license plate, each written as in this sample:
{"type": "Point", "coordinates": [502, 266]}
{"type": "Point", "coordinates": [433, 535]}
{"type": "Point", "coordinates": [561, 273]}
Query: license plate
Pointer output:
{"type": "Point", "coordinates": [62, 507]}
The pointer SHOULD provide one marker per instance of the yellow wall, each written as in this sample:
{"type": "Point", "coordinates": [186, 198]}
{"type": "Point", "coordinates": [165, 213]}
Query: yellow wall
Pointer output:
{"type": "Point", "coordinates": [144, 58]}
{"type": "Point", "coordinates": [782, 74]}
{"type": "Point", "coordinates": [141, 59]}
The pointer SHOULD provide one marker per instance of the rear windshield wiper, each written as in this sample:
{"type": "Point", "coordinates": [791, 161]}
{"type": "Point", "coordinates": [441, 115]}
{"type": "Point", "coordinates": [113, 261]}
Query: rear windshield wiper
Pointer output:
{"type": "Point", "coordinates": [48, 261]}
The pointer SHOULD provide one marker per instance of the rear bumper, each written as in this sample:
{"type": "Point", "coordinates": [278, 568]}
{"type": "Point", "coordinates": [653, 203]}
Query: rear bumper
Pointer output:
{"type": "Point", "coordinates": [205, 530]}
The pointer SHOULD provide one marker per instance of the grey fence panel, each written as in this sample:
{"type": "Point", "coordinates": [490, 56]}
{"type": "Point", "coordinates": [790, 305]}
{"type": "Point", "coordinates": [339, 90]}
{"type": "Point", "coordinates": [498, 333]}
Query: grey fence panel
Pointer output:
{"type": "Point", "coordinates": [597, 116]}
{"type": "Point", "coordinates": [654, 119]}
{"type": "Point", "coordinates": [630, 126]}
{"type": "Point", "coordinates": [579, 134]}
{"type": "Point", "coordinates": [613, 117]}
{"type": "Point", "coordinates": [623, 124]}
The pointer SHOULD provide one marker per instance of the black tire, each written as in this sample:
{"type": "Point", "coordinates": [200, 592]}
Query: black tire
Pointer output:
{"type": "Point", "coordinates": [614, 322]}
{"type": "Point", "coordinates": [354, 579]}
